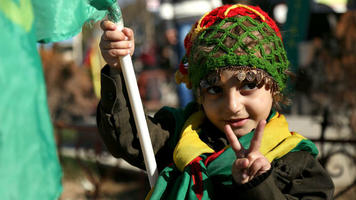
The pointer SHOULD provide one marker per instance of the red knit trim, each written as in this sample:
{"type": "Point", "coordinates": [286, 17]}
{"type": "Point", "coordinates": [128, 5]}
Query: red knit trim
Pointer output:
{"type": "Point", "coordinates": [214, 15]}
{"type": "Point", "coordinates": [197, 177]}
{"type": "Point", "coordinates": [219, 13]}
{"type": "Point", "coordinates": [188, 41]}
{"type": "Point", "coordinates": [182, 68]}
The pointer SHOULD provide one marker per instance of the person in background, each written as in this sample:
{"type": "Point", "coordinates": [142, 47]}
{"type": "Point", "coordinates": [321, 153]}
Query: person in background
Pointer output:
{"type": "Point", "coordinates": [178, 17]}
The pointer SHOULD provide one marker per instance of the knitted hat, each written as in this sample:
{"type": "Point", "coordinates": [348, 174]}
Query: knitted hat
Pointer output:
{"type": "Point", "coordinates": [223, 38]}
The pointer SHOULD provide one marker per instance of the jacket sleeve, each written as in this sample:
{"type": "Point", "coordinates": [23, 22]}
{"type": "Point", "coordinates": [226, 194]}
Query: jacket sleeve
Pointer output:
{"type": "Point", "coordinates": [297, 175]}
{"type": "Point", "coordinates": [117, 127]}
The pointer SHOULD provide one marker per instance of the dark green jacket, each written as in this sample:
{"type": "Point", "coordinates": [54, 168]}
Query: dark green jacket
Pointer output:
{"type": "Point", "coordinates": [297, 175]}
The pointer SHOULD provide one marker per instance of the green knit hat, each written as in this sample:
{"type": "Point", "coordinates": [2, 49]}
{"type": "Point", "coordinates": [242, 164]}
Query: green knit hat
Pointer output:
{"type": "Point", "coordinates": [233, 35]}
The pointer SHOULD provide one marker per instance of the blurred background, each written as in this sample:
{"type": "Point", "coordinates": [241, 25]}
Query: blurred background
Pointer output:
{"type": "Point", "coordinates": [320, 38]}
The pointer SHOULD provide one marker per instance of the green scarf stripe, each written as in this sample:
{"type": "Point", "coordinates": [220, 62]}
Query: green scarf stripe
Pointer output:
{"type": "Point", "coordinates": [172, 184]}
{"type": "Point", "coordinates": [307, 145]}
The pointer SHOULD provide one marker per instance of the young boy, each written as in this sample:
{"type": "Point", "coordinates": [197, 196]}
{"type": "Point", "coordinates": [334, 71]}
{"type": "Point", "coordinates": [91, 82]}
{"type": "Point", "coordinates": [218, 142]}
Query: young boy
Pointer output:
{"type": "Point", "coordinates": [230, 142]}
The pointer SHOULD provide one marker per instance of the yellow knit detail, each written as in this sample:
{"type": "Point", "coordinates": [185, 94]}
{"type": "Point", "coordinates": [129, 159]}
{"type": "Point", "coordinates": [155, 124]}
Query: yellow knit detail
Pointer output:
{"type": "Point", "coordinates": [198, 28]}
{"type": "Point", "coordinates": [246, 7]}
{"type": "Point", "coordinates": [199, 23]}
{"type": "Point", "coordinates": [182, 78]}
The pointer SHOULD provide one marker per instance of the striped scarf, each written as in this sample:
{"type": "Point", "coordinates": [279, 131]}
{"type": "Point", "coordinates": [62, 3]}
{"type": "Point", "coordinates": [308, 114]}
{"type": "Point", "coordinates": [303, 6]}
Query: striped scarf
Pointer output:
{"type": "Point", "coordinates": [195, 163]}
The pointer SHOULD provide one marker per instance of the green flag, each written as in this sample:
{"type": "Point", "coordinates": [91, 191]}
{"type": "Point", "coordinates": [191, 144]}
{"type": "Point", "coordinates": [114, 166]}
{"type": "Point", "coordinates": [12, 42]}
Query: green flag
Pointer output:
{"type": "Point", "coordinates": [58, 20]}
{"type": "Point", "coordinates": [29, 167]}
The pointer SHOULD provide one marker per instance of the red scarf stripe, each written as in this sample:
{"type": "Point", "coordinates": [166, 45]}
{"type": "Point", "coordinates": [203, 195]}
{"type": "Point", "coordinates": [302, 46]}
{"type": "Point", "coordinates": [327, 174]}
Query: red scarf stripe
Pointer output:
{"type": "Point", "coordinates": [213, 156]}
{"type": "Point", "coordinates": [197, 177]}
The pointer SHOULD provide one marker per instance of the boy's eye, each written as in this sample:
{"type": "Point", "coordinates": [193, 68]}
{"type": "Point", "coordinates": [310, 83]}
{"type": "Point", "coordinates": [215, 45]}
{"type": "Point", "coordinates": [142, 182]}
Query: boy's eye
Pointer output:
{"type": "Point", "coordinates": [249, 86]}
{"type": "Point", "coordinates": [214, 90]}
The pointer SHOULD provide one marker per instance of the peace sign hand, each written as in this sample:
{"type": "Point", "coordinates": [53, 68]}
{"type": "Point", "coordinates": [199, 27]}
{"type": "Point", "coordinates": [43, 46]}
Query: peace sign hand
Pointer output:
{"type": "Point", "coordinates": [250, 162]}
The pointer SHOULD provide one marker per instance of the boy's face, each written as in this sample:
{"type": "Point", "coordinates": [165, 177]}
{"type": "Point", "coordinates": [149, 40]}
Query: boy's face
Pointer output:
{"type": "Point", "coordinates": [241, 104]}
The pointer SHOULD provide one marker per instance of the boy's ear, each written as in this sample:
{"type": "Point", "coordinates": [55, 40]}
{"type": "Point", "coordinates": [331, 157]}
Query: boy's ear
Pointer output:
{"type": "Point", "coordinates": [198, 95]}
{"type": "Point", "coordinates": [200, 99]}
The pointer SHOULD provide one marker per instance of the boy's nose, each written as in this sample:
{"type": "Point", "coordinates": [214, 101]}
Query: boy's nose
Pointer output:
{"type": "Point", "coordinates": [233, 102]}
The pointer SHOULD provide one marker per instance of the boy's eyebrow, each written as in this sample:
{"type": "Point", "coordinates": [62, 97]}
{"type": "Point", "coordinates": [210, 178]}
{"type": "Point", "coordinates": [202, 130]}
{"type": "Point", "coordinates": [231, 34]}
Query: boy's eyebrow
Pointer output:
{"type": "Point", "coordinates": [211, 79]}
{"type": "Point", "coordinates": [206, 83]}
{"type": "Point", "coordinates": [244, 74]}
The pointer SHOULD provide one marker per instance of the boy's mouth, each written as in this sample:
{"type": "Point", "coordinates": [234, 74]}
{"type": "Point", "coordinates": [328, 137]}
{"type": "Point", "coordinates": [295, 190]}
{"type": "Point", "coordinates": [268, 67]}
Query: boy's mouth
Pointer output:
{"type": "Point", "coordinates": [236, 123]}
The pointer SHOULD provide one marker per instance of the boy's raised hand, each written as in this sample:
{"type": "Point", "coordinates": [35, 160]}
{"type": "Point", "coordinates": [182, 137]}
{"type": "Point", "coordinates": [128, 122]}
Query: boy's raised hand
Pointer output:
{"type": "Point", "coordinates": [250, 162]}
{"type": "Point", "coordinates": [115, 43]}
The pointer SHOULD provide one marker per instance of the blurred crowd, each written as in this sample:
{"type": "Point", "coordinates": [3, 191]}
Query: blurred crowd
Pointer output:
{"type": "Point", "coordinates": [324, 68]}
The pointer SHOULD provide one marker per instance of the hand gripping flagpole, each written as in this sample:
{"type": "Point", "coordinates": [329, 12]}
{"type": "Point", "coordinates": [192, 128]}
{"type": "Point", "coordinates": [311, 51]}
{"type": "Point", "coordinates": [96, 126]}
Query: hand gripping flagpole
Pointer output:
{"type": "Point", "coordinates": [114, 14]}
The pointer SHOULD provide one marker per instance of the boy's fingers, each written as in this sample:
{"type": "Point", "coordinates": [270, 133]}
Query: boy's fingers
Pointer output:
{"type": "Point", "coordinates": [119, 52]}
{"type": "Point", "coordinates": [114, 35]}
{"type": "Point", "coordinates": [257, 137]}
{"type": "Point", "coordinates": [255, 167]}
{"type": "Point", "coordinates": [242, 163]}
{"type": "Point", "coordinates": [107, 25]}
{"type": "Point", "coordinates": [234, 142]}
{"type": "Point", "coordinates": [114, 54]}
{"type": "Point", "coordinates": [115, 45]}
{"type": "Point", "coordinates": [240, 170]}
{"type": "Point", "coordinates": [129, 33]}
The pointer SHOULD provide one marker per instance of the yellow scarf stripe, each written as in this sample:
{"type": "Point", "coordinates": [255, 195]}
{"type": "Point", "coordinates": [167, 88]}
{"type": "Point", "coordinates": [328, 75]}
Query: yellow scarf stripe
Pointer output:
{"type": "Point", "coordinates": [148, 196]}
{"type": "Point", "coordinates": [288, 144]}
{"type": "Point", "coordinates": [275, 131]}
{"type": "Point", "coordinates": [189, 145]}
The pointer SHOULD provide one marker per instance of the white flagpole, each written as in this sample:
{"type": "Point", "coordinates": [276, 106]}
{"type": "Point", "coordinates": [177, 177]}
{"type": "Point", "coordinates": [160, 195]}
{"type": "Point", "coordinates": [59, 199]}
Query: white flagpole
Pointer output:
{"type": "Point", "coordinates": [140, 119]}
{"type": "Point", "coordinates": [137, 109]}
